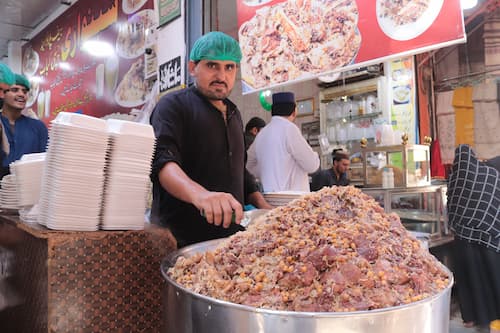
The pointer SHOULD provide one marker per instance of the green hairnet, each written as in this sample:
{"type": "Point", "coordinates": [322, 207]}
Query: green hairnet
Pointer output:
{"type": "Point", "coordinates": [22, 81]}
{"type": "Point", "coordinates": [6, 75]}
{"type": "Point", "coordinates": [216, 45]}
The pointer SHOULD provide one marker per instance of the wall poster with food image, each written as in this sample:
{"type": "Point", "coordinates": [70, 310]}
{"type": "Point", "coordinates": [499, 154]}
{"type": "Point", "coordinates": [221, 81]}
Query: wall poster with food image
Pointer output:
{"type": "Point", "coordinates": [402, 85]}
{"type": "Point", "coordinates": [108, 77]}
{"type": "Point", "coordinates": [287, 41]}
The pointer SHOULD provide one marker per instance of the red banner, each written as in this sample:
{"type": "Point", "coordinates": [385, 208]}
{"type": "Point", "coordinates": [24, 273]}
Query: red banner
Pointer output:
{"type": "Point", "coordinates": [294, 40]}
{"type": "Point", "coordinates": [68, 75]}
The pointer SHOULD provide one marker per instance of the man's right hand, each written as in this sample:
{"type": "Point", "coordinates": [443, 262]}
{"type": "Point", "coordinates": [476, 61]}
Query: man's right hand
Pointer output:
{"type": "Point", "coordinates": [219, 208]}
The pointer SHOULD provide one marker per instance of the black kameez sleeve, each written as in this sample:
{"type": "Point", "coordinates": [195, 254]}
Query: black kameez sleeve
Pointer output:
{"type": "Point", "coordinates": [167, 120]}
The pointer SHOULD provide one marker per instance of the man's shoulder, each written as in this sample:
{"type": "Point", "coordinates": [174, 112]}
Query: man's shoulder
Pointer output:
{"type": "Point", "coordinates": [322, 173]}
{"type": "Point", "coordinates": [181, 94]}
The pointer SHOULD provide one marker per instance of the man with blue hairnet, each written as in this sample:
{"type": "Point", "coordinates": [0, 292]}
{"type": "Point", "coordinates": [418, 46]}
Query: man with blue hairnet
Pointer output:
{"type": "Point", "coordinates": [199, 178]}
{"type": "Point", "coordinates": [20, 134]}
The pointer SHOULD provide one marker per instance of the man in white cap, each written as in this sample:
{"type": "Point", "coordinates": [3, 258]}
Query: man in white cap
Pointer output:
{"type": "Point", "coordinates": [280, 156]}
{"type": "Point", "coordinates": [200, 183]}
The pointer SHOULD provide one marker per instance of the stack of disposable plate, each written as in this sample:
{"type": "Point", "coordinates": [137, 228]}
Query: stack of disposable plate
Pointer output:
{"type": "Point", "coordinates": [131, 147]}
{"type": "Point", "coordinates": [73, 177]}
{"type": "Point", "coordinates": [282, 198]}
{"type": "Point", "coordinates": [29, 214]}
{"type": "Point", "coordinates": [8, 193]}
{"type": "Point", "coordinates": [28, 174]}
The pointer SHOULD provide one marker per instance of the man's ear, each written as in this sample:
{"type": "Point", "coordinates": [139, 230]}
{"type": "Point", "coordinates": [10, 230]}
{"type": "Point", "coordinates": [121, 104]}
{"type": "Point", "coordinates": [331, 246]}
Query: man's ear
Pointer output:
{"type": "Point", "coordinates": [254, 130]}
{"type": "Point", "coordinates": [191, 66]}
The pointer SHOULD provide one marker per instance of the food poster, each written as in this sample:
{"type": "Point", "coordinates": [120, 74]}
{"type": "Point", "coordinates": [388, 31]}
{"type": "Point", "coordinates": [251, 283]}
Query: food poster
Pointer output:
{"type": "Point", "coordinates": [402, 95]}
{"type": "Point", "coordinates": [284, 41]}
{"type": "Point", "coordinates": [66, 77]}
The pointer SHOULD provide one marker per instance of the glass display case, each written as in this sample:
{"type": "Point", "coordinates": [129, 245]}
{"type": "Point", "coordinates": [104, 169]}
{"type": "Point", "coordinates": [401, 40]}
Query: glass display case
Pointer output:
{"type": "Point", "coordinates": [351, 112]}
{"type": "Point", "coordinates": [409, 164]}
{"type": "Point", "coordinates": [421, 209]}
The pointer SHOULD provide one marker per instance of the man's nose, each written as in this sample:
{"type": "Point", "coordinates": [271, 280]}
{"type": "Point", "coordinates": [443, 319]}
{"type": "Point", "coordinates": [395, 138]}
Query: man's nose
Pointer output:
{"type": "Point", "coordinates": [220, 75]}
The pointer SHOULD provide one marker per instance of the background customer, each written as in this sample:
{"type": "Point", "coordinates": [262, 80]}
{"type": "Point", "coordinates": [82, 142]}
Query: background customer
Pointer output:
{"type": "Point", "coordinates": [280, 156]}
{"type": "Point", "coordinates": [253, 127]}
{"type": "Point", "coordinates": [474, 217]}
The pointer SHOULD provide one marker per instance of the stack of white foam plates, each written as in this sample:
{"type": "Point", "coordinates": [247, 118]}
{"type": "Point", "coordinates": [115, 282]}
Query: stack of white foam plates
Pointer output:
{"type": "Point", "coordinates": [29, 214]}
{"type": "Point", "coordinates": [28, 174]}
{"type": "Point", "coordinates": [282, 198]}
{"type": "Point", "coordinates": [73, 176]}
{"type": "Point", "coordinates": [8, 193]}
{"type": "Point", "coordinates": [131, 148]}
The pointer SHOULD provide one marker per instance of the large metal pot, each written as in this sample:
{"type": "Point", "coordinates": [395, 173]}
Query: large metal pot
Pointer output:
{"type": "Point", "coordinates": [189, 312]}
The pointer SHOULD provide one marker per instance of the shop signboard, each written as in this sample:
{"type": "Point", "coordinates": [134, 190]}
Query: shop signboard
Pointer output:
{"type": "Point", "coordinates": [286, 41]}
{"type": "Point", "coordinates": [68, 76]}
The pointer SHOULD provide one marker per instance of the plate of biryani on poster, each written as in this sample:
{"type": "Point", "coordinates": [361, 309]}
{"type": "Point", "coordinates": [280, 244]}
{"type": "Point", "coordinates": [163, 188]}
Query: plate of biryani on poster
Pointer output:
{"type": "Point", "coordinates": [132, 89]}
{"type": "Point", "coordinates": [33, 92]}
{"type": "Point", "coordinates": [132, 36]}
{"type": "Point", "coordinates": [292, 40]}
{"type": "Point", "coordinates": [406, 19]}
{"type": "Point", "coordinates": [31, 60]}
{"type": "Point", "coordinates": [131, 6]}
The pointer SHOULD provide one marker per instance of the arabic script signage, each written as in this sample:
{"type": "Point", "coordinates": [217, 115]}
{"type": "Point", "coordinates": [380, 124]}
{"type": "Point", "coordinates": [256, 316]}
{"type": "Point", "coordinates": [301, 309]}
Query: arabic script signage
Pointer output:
{"type": "Point", "coordinates": [292, 40]}
{"type": "Point", "coordinates": [170, 74]}
{"type": "Point", "coordinates": [67, 77]}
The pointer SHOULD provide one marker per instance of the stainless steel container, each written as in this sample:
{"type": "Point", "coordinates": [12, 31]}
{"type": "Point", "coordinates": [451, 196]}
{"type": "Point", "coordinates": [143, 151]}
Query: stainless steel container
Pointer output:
{"type": "Point", "coordinates": [189, 312]}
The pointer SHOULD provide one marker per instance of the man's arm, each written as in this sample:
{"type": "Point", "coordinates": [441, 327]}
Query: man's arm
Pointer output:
{"type": "Point", "coordinates": [257, 199]}
{"type": "Point", "coordinates": [217, 207]}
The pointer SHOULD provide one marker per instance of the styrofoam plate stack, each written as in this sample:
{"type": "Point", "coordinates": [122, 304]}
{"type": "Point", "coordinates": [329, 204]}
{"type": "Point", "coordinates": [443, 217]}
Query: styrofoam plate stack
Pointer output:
{"type": "Point", "coordinates": [282, 198]}
{"type": "Point", "coordinates": [8, 193]}
{"type": "Point", "coordinates": [28, 174]}
{"type": "Point", "coordinates": [131, 148]}
{"type": "Point", "coordinates": [73, 177]}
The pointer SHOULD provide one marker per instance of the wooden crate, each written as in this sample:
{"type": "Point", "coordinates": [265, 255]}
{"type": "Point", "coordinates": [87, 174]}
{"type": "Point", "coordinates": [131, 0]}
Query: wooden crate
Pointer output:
{"type": "Point", "coordinates": [103, 281]}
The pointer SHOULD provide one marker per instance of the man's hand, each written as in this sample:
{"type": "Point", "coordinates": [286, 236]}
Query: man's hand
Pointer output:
{"type": "Point", "coordinates": [219, 208]}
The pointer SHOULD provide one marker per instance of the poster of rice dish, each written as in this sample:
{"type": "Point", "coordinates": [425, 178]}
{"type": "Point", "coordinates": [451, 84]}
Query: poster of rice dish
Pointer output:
{"type": "Point", "coordinates": [286, 41]}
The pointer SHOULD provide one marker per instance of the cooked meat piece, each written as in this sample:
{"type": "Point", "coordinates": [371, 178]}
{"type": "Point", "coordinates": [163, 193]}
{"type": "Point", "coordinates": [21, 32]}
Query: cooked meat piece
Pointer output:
{"type": "Point", "coordinates": [333, 250]}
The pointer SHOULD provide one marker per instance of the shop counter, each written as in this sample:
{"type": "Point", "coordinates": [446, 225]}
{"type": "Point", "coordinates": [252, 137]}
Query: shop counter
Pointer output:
{"type": "Point", "coordinates": [101, 281]}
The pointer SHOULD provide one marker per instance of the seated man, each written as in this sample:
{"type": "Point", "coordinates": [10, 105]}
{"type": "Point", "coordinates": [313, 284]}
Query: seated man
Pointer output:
{"type": "Point", "coordinates": [336, 175]}
{"type": "Point", "coordinates": [21, 135]}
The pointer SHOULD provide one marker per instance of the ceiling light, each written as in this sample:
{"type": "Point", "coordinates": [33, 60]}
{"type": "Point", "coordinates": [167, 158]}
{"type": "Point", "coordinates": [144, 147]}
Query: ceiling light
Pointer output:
{"type": "Point", "coordinates": [468, 4]}
{"type": "Point", "coordinates": [98, 48]}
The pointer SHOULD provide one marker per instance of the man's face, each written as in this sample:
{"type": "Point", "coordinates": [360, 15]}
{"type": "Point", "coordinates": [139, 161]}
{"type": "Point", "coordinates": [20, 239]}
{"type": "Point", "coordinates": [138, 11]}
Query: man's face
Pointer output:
{"type": "Point", "coordinates": [214, 78]}
{"type": "Point", "coordinates": [341, 166]}
{"type": "Point", "coordinates": [15, 97]}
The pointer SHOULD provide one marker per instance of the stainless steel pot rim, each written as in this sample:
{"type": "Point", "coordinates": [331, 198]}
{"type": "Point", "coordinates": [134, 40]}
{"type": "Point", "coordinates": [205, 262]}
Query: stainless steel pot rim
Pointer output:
{"type": "Point", "coordinates": [169, 261]}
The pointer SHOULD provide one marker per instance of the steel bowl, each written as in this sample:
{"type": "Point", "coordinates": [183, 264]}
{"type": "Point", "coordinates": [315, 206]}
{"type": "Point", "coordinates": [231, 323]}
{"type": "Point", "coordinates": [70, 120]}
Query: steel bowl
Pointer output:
{"type": "Point", "coordinates": [189, 312]}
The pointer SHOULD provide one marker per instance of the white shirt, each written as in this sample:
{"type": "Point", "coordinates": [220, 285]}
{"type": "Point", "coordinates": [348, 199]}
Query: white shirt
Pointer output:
{"type": "Point", "coordinates": [281, 158]}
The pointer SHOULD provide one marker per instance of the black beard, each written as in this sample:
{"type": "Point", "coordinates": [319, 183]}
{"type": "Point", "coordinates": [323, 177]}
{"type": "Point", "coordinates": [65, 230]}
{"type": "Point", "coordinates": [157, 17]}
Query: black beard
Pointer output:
{"type": "Point", "coordinates": [1, 103]}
